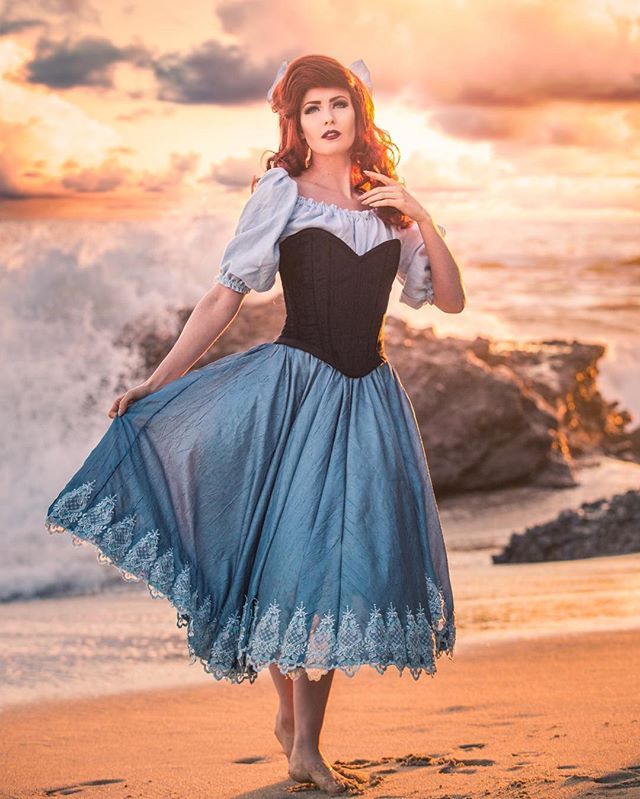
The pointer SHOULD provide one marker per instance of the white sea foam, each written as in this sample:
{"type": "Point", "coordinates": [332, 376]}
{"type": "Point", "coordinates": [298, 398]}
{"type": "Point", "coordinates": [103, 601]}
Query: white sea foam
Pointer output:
{"type": "Point", "coordinates": [66, 290]}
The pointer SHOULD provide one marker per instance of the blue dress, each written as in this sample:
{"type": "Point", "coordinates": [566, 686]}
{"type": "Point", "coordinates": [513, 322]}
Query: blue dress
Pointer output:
{"type": "Point", "coordinates": [279, 497]}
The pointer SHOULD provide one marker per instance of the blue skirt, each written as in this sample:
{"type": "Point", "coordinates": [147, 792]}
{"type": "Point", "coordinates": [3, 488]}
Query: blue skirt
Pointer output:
{"type": "Point", "coordinates": [283, 508]}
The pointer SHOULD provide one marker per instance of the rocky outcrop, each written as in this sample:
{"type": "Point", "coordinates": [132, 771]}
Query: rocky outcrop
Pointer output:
{"type": "Point", "coordinates": [481, 425]}
{"type": "Point", "coordinates": [564, 374]}
{"type": "Point", "coordinates": [495, 413]}
{"type": "Point", "coordinates": [604, 527]}
{"type": "Point", "coordinates": [491, 413]}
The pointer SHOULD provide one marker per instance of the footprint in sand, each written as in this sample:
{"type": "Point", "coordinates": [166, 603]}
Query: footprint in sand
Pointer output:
{"type": "Point", "coordinates": [250, 759]}
{"type": "Point", "coordinates": [574, 779]}
{"type": "Point", "coordinates": [392, 764]}
{"type": "Point", "coordinates": [77, 787]}
{"type": "Point", "coordinates": [446, 763]}
{"type": "Point", "coordinates": [628, 777]}
{"type": "Point", "coordinates": [456, 766]}
{"type": "Point", "coordinates": [456, 709]}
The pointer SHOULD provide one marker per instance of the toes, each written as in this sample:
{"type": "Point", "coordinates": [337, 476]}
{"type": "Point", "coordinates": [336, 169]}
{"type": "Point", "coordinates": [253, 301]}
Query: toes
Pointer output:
{"type": "Point", "coordinates": [361, 779]}
{"type": "Point", "coordinates": [345, 784]}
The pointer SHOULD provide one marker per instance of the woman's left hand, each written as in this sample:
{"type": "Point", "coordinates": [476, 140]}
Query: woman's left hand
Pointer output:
{"type": "Point", "coordinates": [392, 193]}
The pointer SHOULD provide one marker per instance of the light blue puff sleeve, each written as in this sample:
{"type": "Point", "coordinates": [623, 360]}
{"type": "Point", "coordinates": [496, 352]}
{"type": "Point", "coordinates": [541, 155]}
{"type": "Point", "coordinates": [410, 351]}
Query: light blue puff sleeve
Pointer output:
{"type": "Point", "coordinates": [414, 269]}
{"type": "Point", "coordinates": [250, 260]}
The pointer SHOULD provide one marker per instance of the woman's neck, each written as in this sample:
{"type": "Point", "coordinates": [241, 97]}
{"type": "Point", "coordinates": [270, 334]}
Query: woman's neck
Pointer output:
{"type": "Point", "coordinates": [330, 174]}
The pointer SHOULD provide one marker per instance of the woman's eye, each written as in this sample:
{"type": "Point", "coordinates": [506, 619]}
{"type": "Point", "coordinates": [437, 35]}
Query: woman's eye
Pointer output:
{"type": "Point", "coordinates": [339, 103]}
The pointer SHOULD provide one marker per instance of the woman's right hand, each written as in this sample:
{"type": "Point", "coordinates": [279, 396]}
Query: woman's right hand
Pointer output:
{"type": "Point", "coordinates": [122, 401]}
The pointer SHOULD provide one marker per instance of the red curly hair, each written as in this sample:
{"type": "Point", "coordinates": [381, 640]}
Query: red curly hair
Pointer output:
{"type": "Point", "coordinates": [372, 147]}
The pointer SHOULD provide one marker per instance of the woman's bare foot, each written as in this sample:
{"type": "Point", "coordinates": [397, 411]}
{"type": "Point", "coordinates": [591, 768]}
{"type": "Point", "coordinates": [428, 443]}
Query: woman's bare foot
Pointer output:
{"type": "Point", "coordinates": [314, 767]}
{"type": "Point", "coordinates": [284, 732]}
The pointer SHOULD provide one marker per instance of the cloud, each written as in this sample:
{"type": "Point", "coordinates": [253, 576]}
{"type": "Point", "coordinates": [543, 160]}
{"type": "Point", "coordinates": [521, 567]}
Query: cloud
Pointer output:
{"type": "Point", "coordinates": [51, 148]}
{"type": "Point", "coordinates": [50, 9]}
{"type": "Point", "coordinates": [481, 54]}
{"type": "Point", "coordinates": [508, 96]}
{"type": "Point", "coordinates": [235, 173]}
{"type": "Point", "coordinates": [213, 73]}
{"type": "Point", "coordinates": [106, 176]}
{"type": "Point", "coordinates": [494, 55]}
{"type": "Point", "coordinates": [180, 165]}
{"type": "Point", "coordinates": [144, 112]}
{"type": "Point", "coordinates": [8, 26]}
{"type": "Point", "coordinates": [87, 62]}
{"type": "Point", "coordinates": [39, 132]}
{"type": "Point", "coordinates": [17, 16]}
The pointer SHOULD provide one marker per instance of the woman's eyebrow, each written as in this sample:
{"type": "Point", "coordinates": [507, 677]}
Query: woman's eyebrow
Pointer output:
{"type": "Point", "coordinates": [331, 99]}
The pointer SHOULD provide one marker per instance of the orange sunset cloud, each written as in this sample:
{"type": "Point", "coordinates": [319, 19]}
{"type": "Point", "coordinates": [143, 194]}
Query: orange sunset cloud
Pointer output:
{"type": "Point", "coordinates": [498, 108]}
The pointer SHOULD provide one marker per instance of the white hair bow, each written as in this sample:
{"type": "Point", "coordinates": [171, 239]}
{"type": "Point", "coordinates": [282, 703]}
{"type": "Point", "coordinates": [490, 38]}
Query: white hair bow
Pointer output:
{"type": "Point", "coordinates": [358, 68]}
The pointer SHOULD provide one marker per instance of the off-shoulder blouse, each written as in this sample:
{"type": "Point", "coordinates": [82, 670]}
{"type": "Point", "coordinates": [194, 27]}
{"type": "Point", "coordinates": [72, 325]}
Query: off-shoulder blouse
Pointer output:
{"type": "Point", "coordinates": [275, 210]}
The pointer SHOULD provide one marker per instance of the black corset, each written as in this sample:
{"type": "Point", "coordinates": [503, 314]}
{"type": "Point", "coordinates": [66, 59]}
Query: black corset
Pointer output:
{"type": "Point", "coordinates": [336, 300]}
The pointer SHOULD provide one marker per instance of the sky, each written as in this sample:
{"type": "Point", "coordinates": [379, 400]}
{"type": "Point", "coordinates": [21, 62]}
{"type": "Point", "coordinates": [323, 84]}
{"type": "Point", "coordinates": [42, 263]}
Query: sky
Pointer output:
{"type": "Point", "coordinates": [500, 108]}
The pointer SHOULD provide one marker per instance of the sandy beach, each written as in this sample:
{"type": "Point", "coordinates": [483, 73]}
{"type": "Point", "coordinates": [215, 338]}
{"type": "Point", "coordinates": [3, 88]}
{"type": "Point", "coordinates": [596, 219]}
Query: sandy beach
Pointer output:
{"type": "Point", "coordinates": [540, 699]}
{"type": "Point", "coordinates": [555, 716]}
{"type": "Point", "coordinates": [97, 695]}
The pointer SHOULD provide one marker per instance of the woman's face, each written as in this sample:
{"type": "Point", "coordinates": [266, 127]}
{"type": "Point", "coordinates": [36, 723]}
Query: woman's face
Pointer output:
{"type": "Point", "coordinates": [328, 109]}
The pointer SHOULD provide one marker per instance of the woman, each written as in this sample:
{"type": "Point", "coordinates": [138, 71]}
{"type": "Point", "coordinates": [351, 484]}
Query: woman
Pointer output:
{"type": "Point", "coordinates": [280, 497]}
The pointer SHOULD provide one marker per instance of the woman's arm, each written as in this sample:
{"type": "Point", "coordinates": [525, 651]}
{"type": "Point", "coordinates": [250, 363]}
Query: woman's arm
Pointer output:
{"type": "Point", "coordinates": [209, 319]}
{"type": "Point", "coordinates": [445, 272]}
{"type": "Point", "coordinates": [448, 290]}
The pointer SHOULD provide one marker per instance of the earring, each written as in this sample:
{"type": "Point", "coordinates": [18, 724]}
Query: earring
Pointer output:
{"type": "Point", "coordinates": [307, 160]}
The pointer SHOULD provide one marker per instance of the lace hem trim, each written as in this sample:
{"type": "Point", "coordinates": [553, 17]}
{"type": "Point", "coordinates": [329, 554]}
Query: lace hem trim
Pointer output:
{"type": "Point", "coordinates": [250, 640]}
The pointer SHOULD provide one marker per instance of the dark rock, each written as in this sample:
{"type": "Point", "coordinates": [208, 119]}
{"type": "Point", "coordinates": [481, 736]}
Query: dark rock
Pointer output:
{"type": "Point", "coordinates": [604, 527]}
